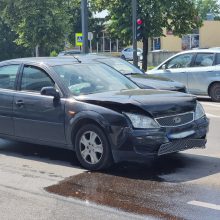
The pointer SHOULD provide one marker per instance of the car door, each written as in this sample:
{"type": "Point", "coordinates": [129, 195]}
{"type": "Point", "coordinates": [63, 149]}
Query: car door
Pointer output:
{"type": "Point", "coordinates": [202, 70]}
{"type": "Point", "coordinates": [176, 68]}
{"type": "Point", "coordinates": [8, 74]}
{"type": "Point", "coordinates": [38, 117]}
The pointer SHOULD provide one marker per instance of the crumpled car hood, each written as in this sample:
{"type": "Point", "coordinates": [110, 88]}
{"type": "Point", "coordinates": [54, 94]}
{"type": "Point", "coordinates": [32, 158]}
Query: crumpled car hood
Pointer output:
{"type": "Point", "coordinates": [157, 103]}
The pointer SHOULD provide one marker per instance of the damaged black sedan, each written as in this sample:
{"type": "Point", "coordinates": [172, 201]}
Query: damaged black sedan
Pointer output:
{"type": "Point", "coordinates": [95, 111]}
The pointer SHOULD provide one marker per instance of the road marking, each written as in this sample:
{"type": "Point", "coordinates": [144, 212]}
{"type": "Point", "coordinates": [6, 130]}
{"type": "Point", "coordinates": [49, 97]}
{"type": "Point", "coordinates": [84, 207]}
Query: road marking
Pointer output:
{"type": "Point", "coordinates": [205, 205]}
{"type": "Point", "coordinates": [211, 104]}
{"type": "Point", "coordinates": [212, 116]}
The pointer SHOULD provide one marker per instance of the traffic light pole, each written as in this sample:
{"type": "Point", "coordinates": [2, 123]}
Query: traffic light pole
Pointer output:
{"type": "Point", "coordinates": [84, 14]}
{"type": "Point", "coordinates": [134, 28]}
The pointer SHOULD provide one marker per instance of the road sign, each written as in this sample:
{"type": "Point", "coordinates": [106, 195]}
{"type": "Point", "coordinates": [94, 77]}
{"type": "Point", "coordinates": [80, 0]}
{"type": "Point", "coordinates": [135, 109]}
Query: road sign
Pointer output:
{"type": "Point", "coordinates": [79, 39]}
{"type": "Point", "coordinates": [90, 36]}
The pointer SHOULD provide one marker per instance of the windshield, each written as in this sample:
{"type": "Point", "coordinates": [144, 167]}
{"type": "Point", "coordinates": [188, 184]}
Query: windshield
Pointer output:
{"type": "Point", "coordinates": [84, 79]}
{"type": "Point", "coordinates": [121, 65]}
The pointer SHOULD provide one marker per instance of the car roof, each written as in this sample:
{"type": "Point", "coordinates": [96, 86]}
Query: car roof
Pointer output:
{"type": "Point", "coordinates": [49, 61]}
{"type": "Point", "coordinates": [201, 51]}
{"type": "Point", "coordinates": [94, 56]}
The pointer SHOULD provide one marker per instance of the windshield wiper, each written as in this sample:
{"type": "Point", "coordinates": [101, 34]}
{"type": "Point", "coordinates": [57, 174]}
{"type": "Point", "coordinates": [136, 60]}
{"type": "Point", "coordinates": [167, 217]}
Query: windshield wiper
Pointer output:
{"type": "Point", "coordinates": [130, 74]}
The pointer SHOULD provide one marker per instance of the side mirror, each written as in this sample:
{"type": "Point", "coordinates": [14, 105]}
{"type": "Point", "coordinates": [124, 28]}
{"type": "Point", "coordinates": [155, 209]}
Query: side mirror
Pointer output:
{"type": "Point", "coordinates": [50, 91]}
{"type": "Point", "coordinates": [164, 67]}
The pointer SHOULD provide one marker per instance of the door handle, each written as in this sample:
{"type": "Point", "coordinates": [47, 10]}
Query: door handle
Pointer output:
{"type": "Point", "coordinates": [19, 103]}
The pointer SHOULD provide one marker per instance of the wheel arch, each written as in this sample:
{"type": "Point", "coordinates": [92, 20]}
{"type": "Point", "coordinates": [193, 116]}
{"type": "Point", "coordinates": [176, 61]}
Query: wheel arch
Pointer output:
{"type": "Point", "coordinates": [86, 118]}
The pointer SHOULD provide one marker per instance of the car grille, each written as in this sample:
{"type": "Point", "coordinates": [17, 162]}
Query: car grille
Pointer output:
{"type": "Point", "coordinates": [181, 145]}
{"type": "Point", "coordinates": [175, 120]}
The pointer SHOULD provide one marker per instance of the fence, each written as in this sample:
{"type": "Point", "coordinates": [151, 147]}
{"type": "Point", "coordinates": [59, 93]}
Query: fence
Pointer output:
{"type": "Point", "coordinates": [155, 58]}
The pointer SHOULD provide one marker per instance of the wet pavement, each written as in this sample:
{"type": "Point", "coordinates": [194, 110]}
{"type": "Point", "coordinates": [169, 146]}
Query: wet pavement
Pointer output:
{"type": "Point", "coordinates": [142, 189]}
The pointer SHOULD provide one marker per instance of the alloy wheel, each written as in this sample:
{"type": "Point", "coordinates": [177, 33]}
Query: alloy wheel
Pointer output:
{"type": "Point", "coordinates": [91, 147]}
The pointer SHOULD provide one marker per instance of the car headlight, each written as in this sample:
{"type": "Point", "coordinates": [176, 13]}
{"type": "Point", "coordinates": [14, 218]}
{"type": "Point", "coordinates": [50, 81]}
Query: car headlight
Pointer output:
{"type": "Point", "coordinates": [141, 121]}
{"type": "Point", "coordinates": [199, 113]}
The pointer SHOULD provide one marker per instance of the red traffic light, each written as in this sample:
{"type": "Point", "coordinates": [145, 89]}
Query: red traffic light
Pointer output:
{"type": "Point", "coordinates": [139, 21]}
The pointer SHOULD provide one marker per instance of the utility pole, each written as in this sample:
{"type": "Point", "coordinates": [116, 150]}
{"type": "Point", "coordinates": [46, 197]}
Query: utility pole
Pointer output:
{"type": "Point", "coordinates": [134, 28]}
{"type": "Point", "coordinates": [84, 14]}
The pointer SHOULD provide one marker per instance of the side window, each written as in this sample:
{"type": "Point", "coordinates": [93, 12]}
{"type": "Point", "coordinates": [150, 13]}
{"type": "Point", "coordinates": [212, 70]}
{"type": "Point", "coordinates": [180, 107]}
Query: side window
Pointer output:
{"type": "Point", "coordinates": [217, 59]}
{"type": "Point", "coordinates": [34, 79]}
{"type": "Point", "coordinates": [181, 61]}
{"type": "Point", "coordinates": [8, 76]}
{"type": "Point", "coordinates": [204, 59]}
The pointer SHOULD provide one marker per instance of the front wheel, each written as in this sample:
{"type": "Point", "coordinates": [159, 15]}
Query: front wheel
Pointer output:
{"type": "Point", "coordinates": [215, 92]}
{"type": "Point", "coordinates": [92, 148]}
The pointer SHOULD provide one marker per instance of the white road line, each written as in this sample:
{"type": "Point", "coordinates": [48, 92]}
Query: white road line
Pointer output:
{"type": "Point", "coordinates": [212, 116]}
{"type": "Point", "coordinates": [211, 104]}
{"type": "Point", "coordinates": [205, 205]}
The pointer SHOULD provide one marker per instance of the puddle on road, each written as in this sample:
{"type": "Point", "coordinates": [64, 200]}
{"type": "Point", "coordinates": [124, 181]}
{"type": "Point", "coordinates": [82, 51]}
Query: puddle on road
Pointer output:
{"type": "Point", "coordinates": [131, 188]}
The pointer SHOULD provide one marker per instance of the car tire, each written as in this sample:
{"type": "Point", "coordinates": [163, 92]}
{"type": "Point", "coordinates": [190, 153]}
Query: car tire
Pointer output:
{"type": "Point", "coordinates": [92, 148]}
{"type": "Point", "coordinates": [215, 92]}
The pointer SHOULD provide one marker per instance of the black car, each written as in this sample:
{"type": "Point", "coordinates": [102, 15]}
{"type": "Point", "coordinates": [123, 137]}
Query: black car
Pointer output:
{"type": "Point", "coordinates": [143, 80]}
{"type": "Point", "coordinates": [95, 111]}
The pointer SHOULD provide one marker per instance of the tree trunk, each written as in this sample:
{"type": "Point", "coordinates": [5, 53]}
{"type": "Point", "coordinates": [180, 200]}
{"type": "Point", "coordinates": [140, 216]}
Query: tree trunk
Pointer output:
{"type": "Point", "coordinates": [145, 53]}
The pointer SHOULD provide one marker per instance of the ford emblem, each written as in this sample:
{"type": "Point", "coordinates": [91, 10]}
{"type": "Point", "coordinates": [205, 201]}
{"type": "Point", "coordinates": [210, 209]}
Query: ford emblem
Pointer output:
{"type": "Point", "coordinates": [177, 120]}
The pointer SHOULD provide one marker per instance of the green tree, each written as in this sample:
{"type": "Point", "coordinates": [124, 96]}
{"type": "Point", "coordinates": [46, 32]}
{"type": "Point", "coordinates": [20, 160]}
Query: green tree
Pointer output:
{"type": "Point", "coordinates": [208, 6]}
{"type": "Point", "coordinates": [37, 23]}
{"type": "Point", "coordinates": [9, 49]}
{"type": "Point", "coordinates": [180, 16]}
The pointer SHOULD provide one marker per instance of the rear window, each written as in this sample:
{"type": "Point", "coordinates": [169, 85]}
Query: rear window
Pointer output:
{"type": "Point", "coordinates": [204, 59]}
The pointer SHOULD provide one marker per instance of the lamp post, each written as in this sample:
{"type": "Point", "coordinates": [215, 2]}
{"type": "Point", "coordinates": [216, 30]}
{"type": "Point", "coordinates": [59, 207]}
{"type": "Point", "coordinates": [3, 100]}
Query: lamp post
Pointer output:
{"type": "Point", "coordinates": [84, 14]}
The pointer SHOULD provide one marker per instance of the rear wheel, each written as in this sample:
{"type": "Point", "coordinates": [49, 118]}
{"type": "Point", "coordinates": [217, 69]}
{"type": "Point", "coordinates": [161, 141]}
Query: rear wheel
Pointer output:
{"type": "Point", "coordinates": [92, 148]}
{"type": "Point", "coordinates": [215, 92]}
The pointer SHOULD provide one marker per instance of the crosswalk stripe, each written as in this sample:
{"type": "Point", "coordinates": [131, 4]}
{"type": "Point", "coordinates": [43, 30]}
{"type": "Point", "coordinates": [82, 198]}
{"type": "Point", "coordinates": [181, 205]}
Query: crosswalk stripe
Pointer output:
{"type": "Point", "coordinates": [205, 205]}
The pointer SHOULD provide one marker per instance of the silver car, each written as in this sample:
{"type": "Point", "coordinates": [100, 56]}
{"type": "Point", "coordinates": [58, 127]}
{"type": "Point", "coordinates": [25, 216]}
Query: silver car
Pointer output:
{"type": "Point", "coordinates": [127, 53]}
{"type": "Point", "coordinates": [199, 70]}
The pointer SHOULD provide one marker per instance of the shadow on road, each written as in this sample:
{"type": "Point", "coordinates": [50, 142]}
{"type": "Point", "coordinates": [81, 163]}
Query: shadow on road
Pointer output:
{"type": "Point", "coordinates": [204, 99]}
{"type": "Point", "coordinates": [39, 153]}
{"type": "Point", "coordinates": [173, 168]}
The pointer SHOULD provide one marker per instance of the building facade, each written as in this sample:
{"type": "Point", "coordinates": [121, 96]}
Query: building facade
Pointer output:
{"type": "Point", "coordinates": [207, 36]}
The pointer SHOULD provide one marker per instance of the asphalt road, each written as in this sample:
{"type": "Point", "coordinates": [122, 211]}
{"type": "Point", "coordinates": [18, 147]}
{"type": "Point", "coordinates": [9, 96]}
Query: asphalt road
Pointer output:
{"type": "Point", "coordinates": [180, 186]}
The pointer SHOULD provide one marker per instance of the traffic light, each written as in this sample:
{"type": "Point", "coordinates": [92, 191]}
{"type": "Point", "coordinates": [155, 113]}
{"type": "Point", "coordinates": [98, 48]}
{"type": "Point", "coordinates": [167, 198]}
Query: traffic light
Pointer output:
{"type": "Point", "coordinates": [139, 34]}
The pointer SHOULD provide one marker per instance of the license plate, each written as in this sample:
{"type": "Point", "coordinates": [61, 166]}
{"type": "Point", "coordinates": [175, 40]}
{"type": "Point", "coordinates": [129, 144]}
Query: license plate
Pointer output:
{"type": "Point", "coordinates": [180, 135]}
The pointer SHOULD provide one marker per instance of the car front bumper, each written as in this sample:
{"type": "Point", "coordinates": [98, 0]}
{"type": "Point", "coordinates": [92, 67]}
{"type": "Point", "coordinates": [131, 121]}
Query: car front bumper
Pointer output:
{"type": "Point", "coordinates": [140, 145]}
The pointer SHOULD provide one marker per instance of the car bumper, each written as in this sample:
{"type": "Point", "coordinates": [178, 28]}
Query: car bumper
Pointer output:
{"type": "Point", "coordinates": [140, 145]}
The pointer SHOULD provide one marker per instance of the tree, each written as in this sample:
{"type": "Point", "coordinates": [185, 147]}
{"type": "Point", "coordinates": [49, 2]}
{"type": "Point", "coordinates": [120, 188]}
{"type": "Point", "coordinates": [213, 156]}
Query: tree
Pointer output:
{"type": "Point", "coordinates": [37, 23]}
{"type": "Point", "coordinates": [208, 6]}
{"type": "Point", "coordinates": [8, 47]}
{"type": "Point", "coordinates": [180, 16]}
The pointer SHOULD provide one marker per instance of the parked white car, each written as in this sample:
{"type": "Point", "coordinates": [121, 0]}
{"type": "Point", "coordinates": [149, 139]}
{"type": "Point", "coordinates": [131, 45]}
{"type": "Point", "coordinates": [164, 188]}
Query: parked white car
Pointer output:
{"type": "Point", "coordinates": [198, 70]}
{"type": "Point", "coordinates": [127, 53]}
